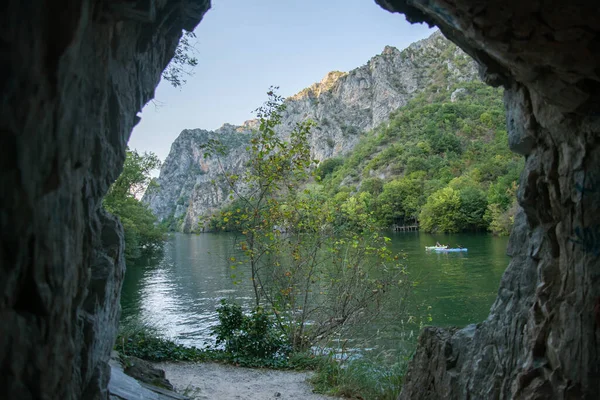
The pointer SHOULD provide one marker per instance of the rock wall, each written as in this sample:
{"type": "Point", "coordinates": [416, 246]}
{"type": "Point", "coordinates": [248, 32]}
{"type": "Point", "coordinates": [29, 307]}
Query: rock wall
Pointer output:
{"type": "Point", "coordinates": [542, 337]}
{"type": "Point", "coordinates": [191, 184]}
{"type": "Point", "coordinates": [73, 76]}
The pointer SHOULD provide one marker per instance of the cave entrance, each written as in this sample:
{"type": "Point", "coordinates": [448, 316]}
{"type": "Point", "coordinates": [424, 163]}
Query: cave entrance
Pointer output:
{"type": "Point", "coordinates": [70, 93]}
{"type": "Point", "coordinates": [430, 133]}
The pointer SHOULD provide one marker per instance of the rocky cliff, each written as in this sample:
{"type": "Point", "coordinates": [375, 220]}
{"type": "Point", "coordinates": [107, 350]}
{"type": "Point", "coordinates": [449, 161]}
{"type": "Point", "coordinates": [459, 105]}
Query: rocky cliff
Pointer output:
{"type": "Point", "coordinates": [74, 75]}
{"type": "Point", "coordinates": [190, 184]}
{"type": "Point", "coordinates": [541, 339]}
{"type": "Point", "coordinates": [343, 105]}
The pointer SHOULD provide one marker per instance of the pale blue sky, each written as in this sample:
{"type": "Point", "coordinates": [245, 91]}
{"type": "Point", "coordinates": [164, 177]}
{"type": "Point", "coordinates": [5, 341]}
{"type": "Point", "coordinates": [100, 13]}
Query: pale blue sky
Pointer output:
{"type": "Point", "coordinates": [245, 46]}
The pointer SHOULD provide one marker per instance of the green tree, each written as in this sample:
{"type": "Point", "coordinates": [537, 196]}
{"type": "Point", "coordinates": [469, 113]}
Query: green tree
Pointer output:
{"type": "Point", "coordinates": [314, 274]}
{"type": "Point", "coordinates": [473, 204]}
{"type": "Point", "coordinates": [499, 215]}
{"type": "Point", "coordinates": [441, 212]}
{"type": "Point", "coordinates": [135, 177]}
{"type": "Point", "coordinates": [501, 221]}
{"type": "Point", "coordinates": [142, 235]}
{"type": "Point", "coordinates": [401, 200]}
{"type": "Point", "coordinates": [473, 201]}
{"type": "Point", "coordinates": [328, 166]}
{"type": "Point", "coordinates": [373, 186]}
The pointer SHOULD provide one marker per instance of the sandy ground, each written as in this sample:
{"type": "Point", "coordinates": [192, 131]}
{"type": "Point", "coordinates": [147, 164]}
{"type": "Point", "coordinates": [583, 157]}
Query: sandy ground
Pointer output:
{"type": "Point", "coordinates": [210, 381]}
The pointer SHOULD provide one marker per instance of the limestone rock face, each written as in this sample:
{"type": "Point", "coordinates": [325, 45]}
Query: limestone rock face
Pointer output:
{"type": "Point", "coordinates": [342, 104]}
{"type": "Point", "coordinates": [190, 183]}
{"type": "Point", "coordinates": [345, 104]}
{"type": "Point", "coordinates": [542, 337]}
{"type": "Point", "coordinates": [74, 75]}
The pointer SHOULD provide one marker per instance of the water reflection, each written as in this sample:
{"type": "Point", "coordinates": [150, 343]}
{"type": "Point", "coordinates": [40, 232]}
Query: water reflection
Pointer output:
{"type": "Point", "coordinates": [180, 292]}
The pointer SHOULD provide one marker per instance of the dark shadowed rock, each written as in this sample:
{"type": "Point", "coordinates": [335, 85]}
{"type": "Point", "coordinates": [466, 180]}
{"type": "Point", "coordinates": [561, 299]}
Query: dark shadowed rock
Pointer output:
{"type": "Point", "coordinates": [73, 76]}
{"type": "Point", "coordinates": [144, 371]}
{"type": "Point", "coordinates": [542, 337]}
{"type": "Point", "coordinates": [124, 387]}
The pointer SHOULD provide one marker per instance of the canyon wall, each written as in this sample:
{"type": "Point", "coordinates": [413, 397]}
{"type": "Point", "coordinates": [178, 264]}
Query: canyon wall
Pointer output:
{"type": "Point", "coordinates": [343, 105]}
{"type": "Point", "coordinates": [74, 75]}
{"type": "Point", "coordinates": [541, 339]}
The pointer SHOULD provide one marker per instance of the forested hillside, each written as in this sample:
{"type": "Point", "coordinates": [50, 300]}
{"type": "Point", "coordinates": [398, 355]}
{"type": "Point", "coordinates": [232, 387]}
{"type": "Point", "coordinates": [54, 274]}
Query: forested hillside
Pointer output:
{"type": "Point", "coordinates": [412, 136]}
{"type": "Point", "coordinates": [343, 106]}
{"type": "Point", "coordinates": [442, 161]}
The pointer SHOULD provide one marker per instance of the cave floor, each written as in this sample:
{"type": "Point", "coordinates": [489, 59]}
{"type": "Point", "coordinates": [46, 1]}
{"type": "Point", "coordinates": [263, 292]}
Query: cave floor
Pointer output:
{"type": "Point", "coordinates": [208, 381]}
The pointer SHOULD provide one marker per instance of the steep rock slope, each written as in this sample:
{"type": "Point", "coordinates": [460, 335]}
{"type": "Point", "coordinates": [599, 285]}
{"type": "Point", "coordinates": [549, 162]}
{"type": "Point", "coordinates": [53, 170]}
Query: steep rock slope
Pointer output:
{"type": "Point", "coordinates": [542, 337]}
{"type": "Point", "coordinates": [343, 105]}
{"type": "Point", "coordinates": [451, 141]}
{"type": "Point", "coordinates": [190, 183]}
{"type": "Point", "coordinates": [74, 75]}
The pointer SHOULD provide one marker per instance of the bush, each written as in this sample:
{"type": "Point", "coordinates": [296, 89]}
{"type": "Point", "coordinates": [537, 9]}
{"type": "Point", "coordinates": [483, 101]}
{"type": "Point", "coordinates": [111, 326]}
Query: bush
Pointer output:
{"type": "Point", "coordinates": [326, 167]}
{"type": "Point", "coordinates": [248, 338]}
{"type": "Point", "coordinates": [144, 342]}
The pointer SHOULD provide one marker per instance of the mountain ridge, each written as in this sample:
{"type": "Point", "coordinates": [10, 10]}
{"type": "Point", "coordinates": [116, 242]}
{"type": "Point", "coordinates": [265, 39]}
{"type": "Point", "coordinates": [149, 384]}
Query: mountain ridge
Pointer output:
{"type": "Point", "coordinates": [343, 105]}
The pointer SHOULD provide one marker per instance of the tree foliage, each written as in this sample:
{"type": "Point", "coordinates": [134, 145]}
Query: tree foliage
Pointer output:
{"type": "Point", "coordinates": [142, 235]}
{"type": "Point", "coordinates": [135, 177]}
{"type": "Point", "coordinates": [400, 201]}
{"type": "Point", "coordinates": [432, 144]}
{"type": "Point", "coordinates": [183, 61]}
{"type": "Point", "coordinates": [441, 211]}
{"type": "Point", "coordinates": [318, 266]}
{"type": "Point", "coordinates": [327, 166]}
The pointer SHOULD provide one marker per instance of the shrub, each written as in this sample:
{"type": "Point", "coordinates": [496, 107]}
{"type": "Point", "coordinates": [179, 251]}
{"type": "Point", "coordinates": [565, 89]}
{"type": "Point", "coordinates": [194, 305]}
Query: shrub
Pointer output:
{"type": "Point", "coordinates": [248, 337]}
{"type": "Point", "coordinates": [144, 342]}
{"type": "Point", "coordinates": [326, 167]}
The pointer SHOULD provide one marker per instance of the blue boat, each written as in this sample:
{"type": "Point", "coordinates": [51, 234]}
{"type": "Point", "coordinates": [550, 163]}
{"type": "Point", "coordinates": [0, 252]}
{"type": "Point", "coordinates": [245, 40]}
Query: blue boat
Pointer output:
{"type": "Point", "coordinates": [452, 250]}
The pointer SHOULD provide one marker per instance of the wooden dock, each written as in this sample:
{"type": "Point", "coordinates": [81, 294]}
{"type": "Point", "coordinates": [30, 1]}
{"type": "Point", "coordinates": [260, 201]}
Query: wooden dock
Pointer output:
{"type": "Point", "coordinates": [405, 228]}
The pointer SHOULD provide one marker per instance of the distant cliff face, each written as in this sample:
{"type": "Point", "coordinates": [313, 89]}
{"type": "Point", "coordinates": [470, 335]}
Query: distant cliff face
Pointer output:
{"type": "Point", "coordinates": [343, 105]}
{"type": "Point", "coordinates": [191, 184]}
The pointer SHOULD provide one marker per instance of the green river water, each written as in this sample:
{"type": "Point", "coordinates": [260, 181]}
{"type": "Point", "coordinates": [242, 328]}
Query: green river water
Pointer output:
{"type": "Point", "coordinates": [179, 293]}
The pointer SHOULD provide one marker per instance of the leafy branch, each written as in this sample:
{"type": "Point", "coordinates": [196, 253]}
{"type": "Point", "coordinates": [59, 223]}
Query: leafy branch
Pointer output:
{"type": "Point", "coordinates": [183, 62]}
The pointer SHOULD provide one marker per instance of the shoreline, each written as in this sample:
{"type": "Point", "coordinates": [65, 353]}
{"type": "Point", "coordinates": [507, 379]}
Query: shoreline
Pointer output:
{"type": "Point", "coordinates": [210, 380]}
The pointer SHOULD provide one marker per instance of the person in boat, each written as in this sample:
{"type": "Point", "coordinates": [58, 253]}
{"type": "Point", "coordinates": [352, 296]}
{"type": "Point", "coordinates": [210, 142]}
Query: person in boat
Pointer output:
{"type": "Point", "coordinates": [437, 244]}
{"type": "Point", "coordinates": [459, 246]}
